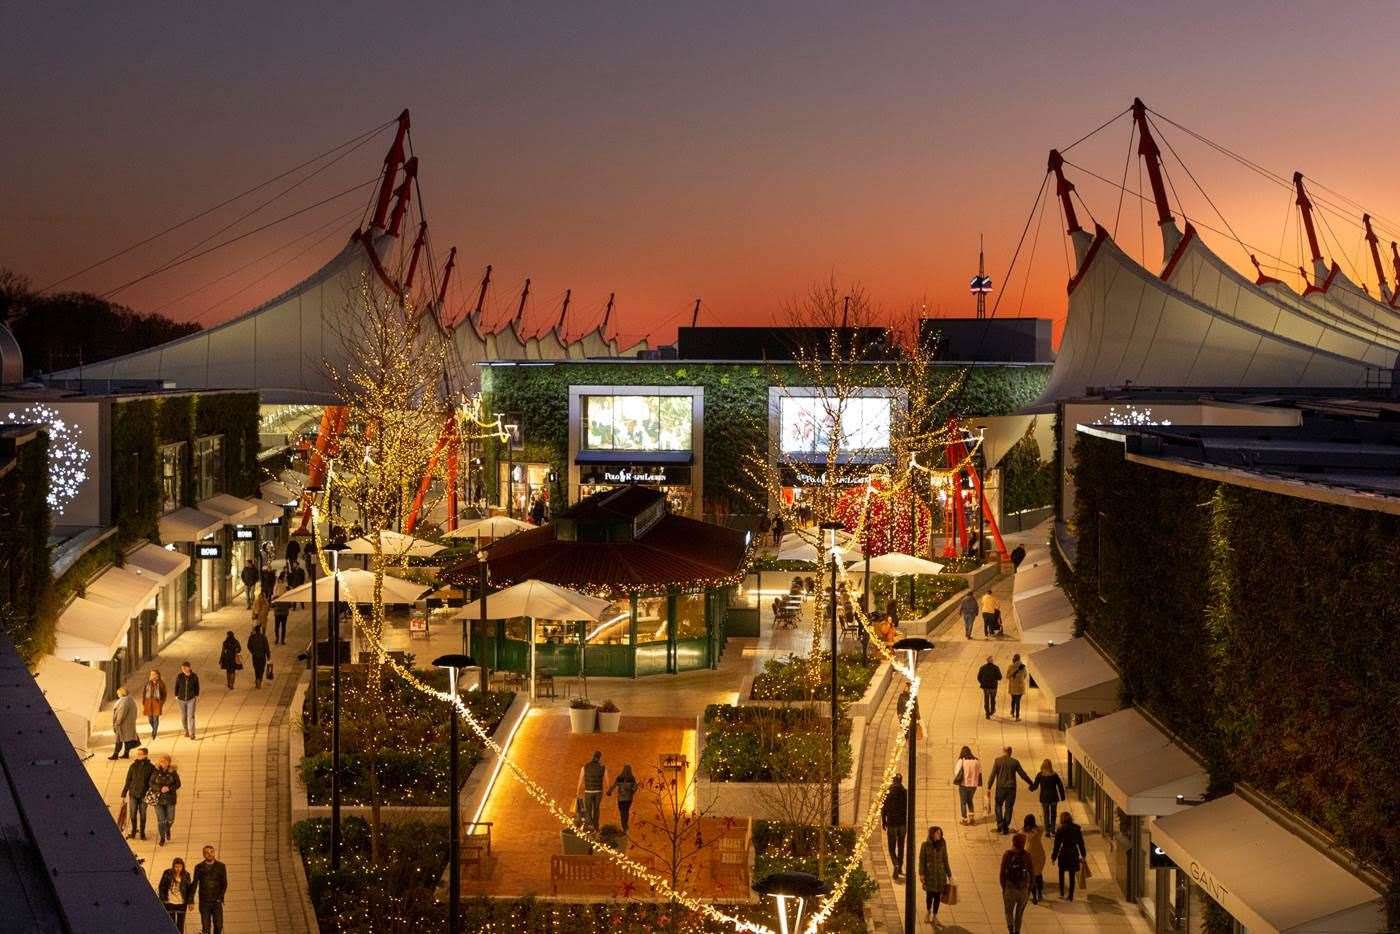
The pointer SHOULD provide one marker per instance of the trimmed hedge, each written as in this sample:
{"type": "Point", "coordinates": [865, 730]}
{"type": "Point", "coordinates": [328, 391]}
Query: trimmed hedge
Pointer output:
{"type": "Point", "coordinates": [808, 677]}
{"type": "Point", "coordinates": [395, 896]}
{"type": "Point", "coordinates": [742, 744]}
{"type": "Point", "coordinates": [1261, 628]}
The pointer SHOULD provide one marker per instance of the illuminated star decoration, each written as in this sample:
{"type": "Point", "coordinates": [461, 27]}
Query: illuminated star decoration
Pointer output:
{"type": "Point", "coordinates": [68, 459]}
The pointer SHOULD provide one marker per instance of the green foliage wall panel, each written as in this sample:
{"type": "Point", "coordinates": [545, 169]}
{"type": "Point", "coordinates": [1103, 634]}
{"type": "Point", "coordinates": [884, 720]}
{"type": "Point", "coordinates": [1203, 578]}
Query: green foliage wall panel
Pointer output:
{"type": "Point", "coordinates": [24, 534]}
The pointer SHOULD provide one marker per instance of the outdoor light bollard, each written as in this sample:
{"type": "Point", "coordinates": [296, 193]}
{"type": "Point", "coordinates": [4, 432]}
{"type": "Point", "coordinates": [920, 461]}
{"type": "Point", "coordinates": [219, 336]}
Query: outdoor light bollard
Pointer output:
{"type": "Point", "coordinates": [799, 886]}
{"type": "Point", "coordinates": [831, 528]}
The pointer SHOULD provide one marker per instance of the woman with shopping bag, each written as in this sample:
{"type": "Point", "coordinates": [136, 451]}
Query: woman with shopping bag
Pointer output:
{"type": "Point", "coordinates": [936, 874]}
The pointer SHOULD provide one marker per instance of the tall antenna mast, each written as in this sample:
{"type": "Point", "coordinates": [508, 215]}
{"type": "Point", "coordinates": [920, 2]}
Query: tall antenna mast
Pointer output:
{"type": "Point", "coordinates": [981, 283]}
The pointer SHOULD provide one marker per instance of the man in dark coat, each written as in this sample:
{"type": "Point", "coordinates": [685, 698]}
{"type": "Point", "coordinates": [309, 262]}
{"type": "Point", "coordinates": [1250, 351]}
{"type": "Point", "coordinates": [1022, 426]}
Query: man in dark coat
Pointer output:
{"type": "Point", "coordinates": [1018, 554]}
{"type": "Point", "coordinates": [293, 551]}
{"type": "Point", "coordinates": [1002, 778]}
{"type": "Point", "coordinates": [249, 577]}
{"type": "Point", "coordinates": [894, 817]}
{"type": "Point", "coordinates": [259, 649]}
{"type": "Point", "coordinates": [988, 676]}
{"type": "Point", "coordinates": [210, 886]}
{"type": "Point", "coordinates": [138, 779]}
{"type": "Point", "coordinates": [187, 695]}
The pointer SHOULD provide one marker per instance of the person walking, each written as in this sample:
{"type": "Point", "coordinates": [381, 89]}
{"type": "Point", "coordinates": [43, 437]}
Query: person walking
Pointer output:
{"type": "Point", "coordinates": [186, 695]}
{"type": "Point", "coordinates": [968, 609]}
{"type": "Point", "coordinates": [1016, 675]}
{"type": "Point", "coordinates": [1017, 876]}
{"type": "Point", "coordinates": [249, 577]}
{"type": "Point", "coordinates": [210, 886]}
{"type": "Point", "coordinates": [1018, 554]}
{"type": "Point", "coordinates": [893, 817]}
{"type": "Point", "coordinates": [175, 890]}
{"type": "Point", "coordinates": [1068, 851]}
{"type": "Point", "coordinates": [1052, 792]}
{"type": "Point", "coordinates": [262, 607]}
{"type": "Point", "coordinates": [990, 608]}
{"type": "Point", "coordinates": [778, 528]}
{"type": "Point", "coordinates": [537, 509]}
{"type": "Point", "coordinates": [626, 787]}
{"type": "Point", "coordinates": [230, 659]}
{"type": "Point", "coordinates": [1035, 846]}
{"type": "Point", "coordinates": [267, 582]}
{"type": "Point", "coordinates": [292, 552]}
{"type": "Point", "coordinates": [988, 676]}
{"type": "Point", "coordinates": [259, 650]}
{"type": "Point", "coordinates": [967, 775]}
{"type": "Point", "coordinates": [296, 576]}
{"type": "Point", "coordinates": [153, 701]}
{"type": "Point", "coordinates": [935, 871]}
{"type": "Point", "coordinates": [592, 779]}
{"type": "Point", "coordinates": [1003, 779]}
{"type": "Point", "coordinates": [138, 782]}
{"type": "Point", "coordinates": [165, 782]}
{"type": "Point", "coordinates": [280, 611]}
{"type": "Point", "coordinates": [124, 725]}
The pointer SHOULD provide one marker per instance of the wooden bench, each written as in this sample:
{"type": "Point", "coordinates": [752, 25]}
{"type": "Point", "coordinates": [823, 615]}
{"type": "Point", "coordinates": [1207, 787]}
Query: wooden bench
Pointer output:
{"type": "Point", "coordinates": [584, 875]}
{"type": "Point", "coordinates": [475, 850]}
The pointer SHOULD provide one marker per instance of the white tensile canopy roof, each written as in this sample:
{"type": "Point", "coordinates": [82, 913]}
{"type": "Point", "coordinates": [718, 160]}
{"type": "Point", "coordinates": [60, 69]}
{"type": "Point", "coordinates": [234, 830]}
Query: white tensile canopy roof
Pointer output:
{"type": "Point", "coordinates": [897, 564]}
{"type": "Point", "coordinates": [123, 590]}
{"type": "Point", "coordinates": [188, 524]}
{"type": "Point", "coordinates": [264, 513]}
{"type": "Point", "coordinates": [1075, 678]}
{"type": "Point", "coordinates": [75, 693]}
{"type": "Point", "coordinates": [278, 493]}
{"type": "Point", "coordinates": [1136, 764]}
{"type": "Point", "coordinates": [539, 600]}
{"type": "Point", "coordinates": [161, 564]}
{"type": "Point", "coordinates": [1264, 875]}
{"type": "Point", "coordinates": [393, 545]}
{"type": "Point", "coordinates": [90, 631]}
{"type": "Point", "coordinates": [1125, 325]}
{"type": "Point", "coordinates": [356, 586]}
{"type": "Point", "coordinates": [490, 527]}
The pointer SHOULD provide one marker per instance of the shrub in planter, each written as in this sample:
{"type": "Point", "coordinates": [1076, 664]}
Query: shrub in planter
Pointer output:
{"type": "Point", "coordinates": [613, 836]}
{"type": "Point", "coordinates": [394, 895]}
{"type": "Point", "coordinates": [742, 744]}
{"type": "Point", "coordinates": [583, 716]}
{"type": "Point", "coordinates": [609, 717]}
{"type": "Point", "coordinates": [809, 677]}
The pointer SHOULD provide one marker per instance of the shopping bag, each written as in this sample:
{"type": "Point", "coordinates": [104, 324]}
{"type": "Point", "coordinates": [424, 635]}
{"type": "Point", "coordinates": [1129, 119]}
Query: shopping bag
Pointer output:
{"type": "Point", "coordinates": [950, 894]}
{"type": "Point", "coordinates": [269, 671]}
{"type": "Point", "coordinates": [122, 816]}
{"type": "Point", "coordinates": [1084, 874]}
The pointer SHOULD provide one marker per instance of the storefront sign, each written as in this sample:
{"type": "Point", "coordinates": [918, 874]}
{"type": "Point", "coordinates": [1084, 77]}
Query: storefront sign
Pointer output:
{"type": "Point", "coordinates": [617, 474]}
{"type": "Point", "coordinates": [815, 475]}
{"type": "Point", "coordinates": [245, 534]}
{"type": "Point", "coordinates": [208, 552]}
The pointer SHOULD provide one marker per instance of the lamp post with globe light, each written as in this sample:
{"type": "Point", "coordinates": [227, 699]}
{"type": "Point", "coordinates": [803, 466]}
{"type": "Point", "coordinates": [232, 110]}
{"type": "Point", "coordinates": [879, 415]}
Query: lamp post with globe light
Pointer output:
{"type": "Point", "coordinates": [914, 646]}
{"type": "Point", "coordinates": [454, 664]}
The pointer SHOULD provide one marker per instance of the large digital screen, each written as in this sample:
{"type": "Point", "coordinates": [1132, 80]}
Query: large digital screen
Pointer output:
{"type": "Point", "coordinates": [808, 422]}
{"type": "Point", "coordinates": [636, 423]}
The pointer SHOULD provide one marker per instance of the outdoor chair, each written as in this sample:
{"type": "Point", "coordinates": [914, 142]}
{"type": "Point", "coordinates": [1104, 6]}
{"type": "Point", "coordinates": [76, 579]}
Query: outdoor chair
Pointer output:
{"type": "Point", "coordinates": [476, 856]}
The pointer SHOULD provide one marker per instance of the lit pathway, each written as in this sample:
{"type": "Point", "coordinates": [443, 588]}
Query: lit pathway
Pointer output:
{"type": "Point", "coordinates": [951, 706]}
{"type": "Point", "coordinates": [234, 792]}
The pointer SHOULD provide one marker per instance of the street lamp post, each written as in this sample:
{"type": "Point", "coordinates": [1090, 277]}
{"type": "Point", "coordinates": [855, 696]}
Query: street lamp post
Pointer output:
{"type": "Point", "coordinates": [453, 664]}
{"type": "Point", "coordinates": [334, 549]}
{"type": "Point", "coordinates": [781, 886]}
{"type": "Point", "coordinates": [981, 497]}
{"type": "Point", "coordinates": [831, 528]}
{"type": "Point", "coordinates": [312, 567]}
{"type": "Point", "coordinates": [914, 645]}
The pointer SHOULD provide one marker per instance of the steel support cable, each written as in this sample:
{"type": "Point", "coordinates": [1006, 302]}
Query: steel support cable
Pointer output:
{"type": "Point", "coordinates": [338, 219]}
{"type": "Point", "coordinates": [1132, 133]}
{"type": "Point", "coordinates": [1030, 261]}
{"type": "Point", "coordinates": [243, 236]}
{"type": "Point", "coordinates": [355, 140]}
{"type": "Point", "coordinates": [1100, 128]}
{"type": "Point", "coordinates": [1199, 187]}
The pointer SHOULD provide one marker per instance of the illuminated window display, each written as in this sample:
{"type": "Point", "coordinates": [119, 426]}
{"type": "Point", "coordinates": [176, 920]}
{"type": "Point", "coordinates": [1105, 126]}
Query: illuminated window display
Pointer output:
{"type": "Point", "coordinates": [636, 423]}
{"type": "Point", "coordinates": [808, 422]}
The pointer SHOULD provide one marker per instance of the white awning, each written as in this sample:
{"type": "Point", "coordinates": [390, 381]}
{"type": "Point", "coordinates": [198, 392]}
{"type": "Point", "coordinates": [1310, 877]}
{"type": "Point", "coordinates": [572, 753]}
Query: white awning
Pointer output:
{"type": "Point", "coordinates": [277, 492]}
{"type": "Point", "coordinates": [232, 509]}
{"type": "Point", "coordinates": [123, 590]}
{"type": "Point", "coordinates": [90, 631]}
{"type": "Point", "coordinates": [1076, 678]}
{"type": "Point", "coordinates": [1271, 880]}
{"type": "Point", "coordinates": [1135, 763]}
{"type": "Point", "coordinates": [75, 693]}
{"type": "Point", "coordinates": [162, 564]}
{"type": "Point", "coordinates": [1044, 614]}
{"type": "Point", "coordinates": [264, 513]}
{"type": "Point", "coordinates": [188, 525]}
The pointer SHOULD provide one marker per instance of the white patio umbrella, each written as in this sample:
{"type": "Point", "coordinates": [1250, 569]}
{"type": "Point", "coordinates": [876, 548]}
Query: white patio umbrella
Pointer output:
{"type": "Point", "coordinates": [803, 546]}
{"type": "Point", "coordinates": [898, 564]}
{"type": "Point", "coordinates": [394, 545]}
{"type": "Point", "coordinates": [537, 599]}
{"type": "Point", "coordinates": [490, 527]}
{"type": "Point", "coordinates": [356, 586]}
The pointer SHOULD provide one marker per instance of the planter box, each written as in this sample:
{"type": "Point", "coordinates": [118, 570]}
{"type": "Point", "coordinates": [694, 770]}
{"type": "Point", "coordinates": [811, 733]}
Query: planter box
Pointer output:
{"type": "Point", "coordinates": [608, 721]}
{"type": "Point", "coordinates": [759, 800]}
{"type": "Point", "coordinates": [864, 707]}
{"type": "Point", "coordinates": [932, 621]}
{"type": "Point", "coordinates": [583, 721]}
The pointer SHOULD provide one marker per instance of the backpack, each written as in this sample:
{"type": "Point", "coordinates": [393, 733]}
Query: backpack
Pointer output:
{"type": "Point", "coordinates": [1018, 872]}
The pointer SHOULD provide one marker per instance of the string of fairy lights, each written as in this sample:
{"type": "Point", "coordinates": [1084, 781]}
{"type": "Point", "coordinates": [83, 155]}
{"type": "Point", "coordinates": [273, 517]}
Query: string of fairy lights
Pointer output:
{"type": "Point", "coordinates": [657, 882]}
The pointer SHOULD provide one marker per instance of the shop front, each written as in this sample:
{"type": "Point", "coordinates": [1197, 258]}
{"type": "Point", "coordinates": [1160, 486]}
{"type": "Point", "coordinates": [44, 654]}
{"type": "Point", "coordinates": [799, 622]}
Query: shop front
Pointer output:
{"type": "Point", "coordinates": [133, 594]}
{"type": "Point", "coordinates": [1076, 681]}
{"type": "Point", "coordinates": [807, 426]}
{"type": "Point", "coordinates": [169, 568]}
{"type": "Point", "coordinates": [95, 634]}
{"type": "Point", "coordinates": [1128, 770]}
{"type": "Point", "coordinates": [194, 532]}
{"type": "Point", "coordinates": [650, 436]}
{"type": "Point", "coordinates": [238, 548]}
{"type": "Point", "coordinates": [1254, 861]}
{"type": "Point", "coordinates": [521, 484]}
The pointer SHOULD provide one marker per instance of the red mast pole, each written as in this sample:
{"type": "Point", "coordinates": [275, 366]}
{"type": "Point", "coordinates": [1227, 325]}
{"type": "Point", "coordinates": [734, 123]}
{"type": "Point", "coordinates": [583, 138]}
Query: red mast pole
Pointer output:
{"type": "Point", "coordinates": [404, 194]}
{"type": "Point", "coordinates": [481, 295]}
{"type": "Point", "coordinates": [447, 276]}
{"type": "Point", "coordinates": [1376, 255]}
{"type": "Point", "coordinates": [568, 293]}
{"type": "Point", "coordinates": [1152, 158]}
{"type": "Point", "coordinates": [1063, 188]}
{"type": "Point", "coordinates": [392, 161]}
{"type": "Point", "coordinates": [1305, 206]}
{"type": "Point", "coordinates": [607, 313]}
{"type": "Point", "coordinates": [413, 260]}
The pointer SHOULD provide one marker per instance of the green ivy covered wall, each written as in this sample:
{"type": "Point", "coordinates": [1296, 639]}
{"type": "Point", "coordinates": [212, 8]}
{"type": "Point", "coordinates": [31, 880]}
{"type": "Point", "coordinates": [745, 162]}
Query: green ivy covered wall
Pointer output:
{"type": "Point", "coordinates": [26, 587]}
{"type": "Point", "coordinates": [736, 407]}
{"type": "Point", "coordinates": [1263, 629]}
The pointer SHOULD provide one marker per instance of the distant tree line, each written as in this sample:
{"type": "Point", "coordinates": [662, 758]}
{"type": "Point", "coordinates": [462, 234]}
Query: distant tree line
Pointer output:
{"type": "Point", "coordinates": [65, 329]}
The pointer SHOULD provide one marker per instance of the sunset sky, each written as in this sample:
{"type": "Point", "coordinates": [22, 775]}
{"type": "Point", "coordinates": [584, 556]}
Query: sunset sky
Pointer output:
{"type": "Point", "coordinates": [739, 153]}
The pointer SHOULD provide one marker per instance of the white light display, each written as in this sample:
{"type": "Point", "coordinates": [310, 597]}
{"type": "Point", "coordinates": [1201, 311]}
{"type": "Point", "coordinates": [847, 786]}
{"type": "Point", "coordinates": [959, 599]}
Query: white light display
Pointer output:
{"type": "Point", "coordinates": [1132, 415]}
{"type": "Point", "coordinates": [68, 459]}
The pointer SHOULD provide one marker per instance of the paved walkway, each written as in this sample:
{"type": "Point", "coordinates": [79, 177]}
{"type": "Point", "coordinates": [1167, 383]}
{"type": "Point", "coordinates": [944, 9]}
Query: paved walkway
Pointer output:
{"type": "Point", "coordinates": [234, 792]}
{"type": "Point", "coordinates": [951, 706]}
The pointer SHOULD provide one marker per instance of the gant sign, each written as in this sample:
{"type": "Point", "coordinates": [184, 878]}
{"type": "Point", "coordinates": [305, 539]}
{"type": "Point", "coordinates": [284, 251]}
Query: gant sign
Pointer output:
{"type": "Point", "coordinates": [1212, 886]}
